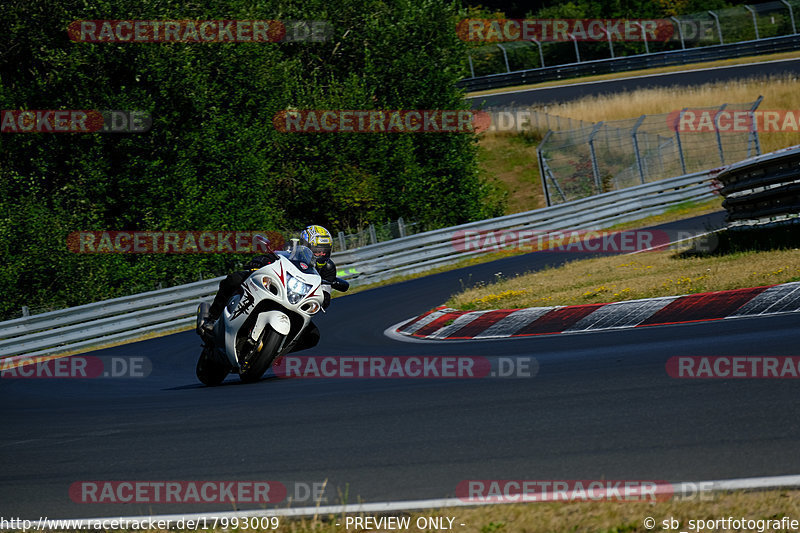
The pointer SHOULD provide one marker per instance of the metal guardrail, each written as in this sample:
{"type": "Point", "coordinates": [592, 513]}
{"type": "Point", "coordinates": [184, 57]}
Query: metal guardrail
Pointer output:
{"type": "Point", "coordinates": [771, 45]}
{"type": "Point", "coordinates": [445, 246]}
{"type": "Point", "coordinates": [105, 322]}
{"type": "Point", "coordinates": [762, 190]}
{"type": "Point", "coordinates": [130, 317]}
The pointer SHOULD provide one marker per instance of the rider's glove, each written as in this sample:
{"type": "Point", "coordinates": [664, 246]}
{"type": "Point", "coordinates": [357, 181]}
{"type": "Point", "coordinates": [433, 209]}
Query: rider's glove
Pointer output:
{"type": "Point", "coordinates": [261, 261]}
{"type": "Point", "coordinates": [340, 285]}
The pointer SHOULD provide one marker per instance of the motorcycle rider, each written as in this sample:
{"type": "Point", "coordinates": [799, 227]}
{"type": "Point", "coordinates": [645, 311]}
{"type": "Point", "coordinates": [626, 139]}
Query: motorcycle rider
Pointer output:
{"type": "Point", "coordinates": [320, 242]}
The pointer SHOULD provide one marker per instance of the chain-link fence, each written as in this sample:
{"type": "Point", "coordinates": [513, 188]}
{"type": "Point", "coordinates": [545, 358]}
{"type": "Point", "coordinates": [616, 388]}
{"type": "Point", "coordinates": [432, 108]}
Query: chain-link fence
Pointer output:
{"type": "Point", "coordinates": [613, 155]}
{"type": "Point", "coordinates": [373, 234]}
{"type": "Point", "coordinates": [370, 234]}
{"type": "Point", "coordinates": [723, 26]}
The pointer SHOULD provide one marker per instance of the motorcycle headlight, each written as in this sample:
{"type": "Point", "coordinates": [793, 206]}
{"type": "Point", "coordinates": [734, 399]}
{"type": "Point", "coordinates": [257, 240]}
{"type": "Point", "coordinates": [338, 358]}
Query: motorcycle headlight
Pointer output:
{"type": "Point", "coordinates": [296, 289]}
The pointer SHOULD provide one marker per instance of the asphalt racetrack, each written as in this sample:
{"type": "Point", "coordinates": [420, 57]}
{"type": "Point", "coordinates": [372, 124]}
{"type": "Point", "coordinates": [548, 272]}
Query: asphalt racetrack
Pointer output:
{"type": "Point", "coordinates": [679, 80]}
{"type": "Point", "coordinates": [601, 406]}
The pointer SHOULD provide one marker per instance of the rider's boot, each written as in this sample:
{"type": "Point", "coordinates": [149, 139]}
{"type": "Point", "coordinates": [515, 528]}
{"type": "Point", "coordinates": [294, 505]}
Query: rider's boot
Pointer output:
{"type": "Point", "coordinates": [207, 327]}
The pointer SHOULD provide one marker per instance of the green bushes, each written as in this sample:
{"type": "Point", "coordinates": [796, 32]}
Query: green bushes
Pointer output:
{"type": "Point", "coordinates": [212, 159]}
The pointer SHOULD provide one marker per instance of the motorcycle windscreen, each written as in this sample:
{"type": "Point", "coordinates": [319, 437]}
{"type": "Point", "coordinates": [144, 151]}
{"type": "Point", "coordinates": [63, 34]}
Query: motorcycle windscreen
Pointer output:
{"type": "Point", "coordinates": [303, 258]}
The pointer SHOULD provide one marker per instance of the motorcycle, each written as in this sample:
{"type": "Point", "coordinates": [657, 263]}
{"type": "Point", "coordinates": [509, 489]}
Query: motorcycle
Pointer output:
{"type": "Point", "coordinates": [265, 319]}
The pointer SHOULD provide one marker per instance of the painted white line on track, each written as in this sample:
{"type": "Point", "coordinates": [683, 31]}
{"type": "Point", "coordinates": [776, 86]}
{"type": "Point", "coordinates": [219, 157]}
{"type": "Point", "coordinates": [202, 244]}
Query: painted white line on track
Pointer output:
{"type": "Point", "coordinates": [660, 246]}
{"type": "Point", "coordinates": [753, 483]}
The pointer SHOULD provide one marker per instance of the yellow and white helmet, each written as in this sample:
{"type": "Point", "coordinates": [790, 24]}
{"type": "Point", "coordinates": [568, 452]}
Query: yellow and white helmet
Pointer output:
{"type": "Point", "coordinates": [320, 241]}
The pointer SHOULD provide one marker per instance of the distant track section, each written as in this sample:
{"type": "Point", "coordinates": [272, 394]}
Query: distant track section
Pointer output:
{"type": "Point", "coordinates": [686, 78]}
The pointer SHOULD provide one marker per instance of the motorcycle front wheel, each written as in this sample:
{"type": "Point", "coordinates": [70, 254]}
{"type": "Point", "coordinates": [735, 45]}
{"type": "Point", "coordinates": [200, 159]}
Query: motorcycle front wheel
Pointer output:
{"type": "Point", "coordinates": [263, 360]}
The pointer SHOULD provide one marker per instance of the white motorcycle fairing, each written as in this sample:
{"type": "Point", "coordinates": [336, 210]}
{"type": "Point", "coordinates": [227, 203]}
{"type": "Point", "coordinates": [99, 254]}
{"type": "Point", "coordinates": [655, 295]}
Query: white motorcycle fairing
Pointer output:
{"type": "Point", "coordinates": [274, 307]}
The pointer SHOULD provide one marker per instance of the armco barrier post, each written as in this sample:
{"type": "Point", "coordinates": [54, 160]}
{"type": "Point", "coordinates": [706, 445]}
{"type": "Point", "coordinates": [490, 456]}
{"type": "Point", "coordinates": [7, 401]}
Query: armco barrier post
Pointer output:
{"type": "Point", "coordinates": [595, 169]}
{"type": "Point", "coordinates": [541, 55]}
{"type": "Point", "coordinates": [636, 147]}
{"type": "Point", "coordinates": [644, 35]}
{"type": "Point", "coordinates": [505, 56]}
{"type": "Point", "coordinates": [373, 237]}
{"type": "Point", "coordinates": [791, 15]}
{"type": "Point", "coordinates": [542, 174]}
{"type": "Point", "coordinates": [719, 28]}
{"type": "Point", "coordinates": [577, 52]}
{"type": "Point", "coordinates": [680, 33]}
{"type": "Point", "coordinates": [755, 19]}
{"type": "Point", "coordinates": [549, 172]}
{"type": "Point", "coordinates": [678, 138]}
{"type": "Point", "coordinates": [719, 138]}
{"type": "Point", "coordinates": [610, 43]}
{"type": "Point", "coordinates": [753, 134]}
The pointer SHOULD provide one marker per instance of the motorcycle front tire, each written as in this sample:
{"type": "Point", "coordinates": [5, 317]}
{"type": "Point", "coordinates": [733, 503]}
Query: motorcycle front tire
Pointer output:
{"type": "Point", "coordinates": [263, 360]}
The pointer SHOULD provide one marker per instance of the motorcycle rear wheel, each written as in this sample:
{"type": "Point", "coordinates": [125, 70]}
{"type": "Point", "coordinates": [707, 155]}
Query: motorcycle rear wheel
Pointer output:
{"type": "Point", "coordinates": [263, 360]}
{"type": "Point", "coordinates": [210, 370]}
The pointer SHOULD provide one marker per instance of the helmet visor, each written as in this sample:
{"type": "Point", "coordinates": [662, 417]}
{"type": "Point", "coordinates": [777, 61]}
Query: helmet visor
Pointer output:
{"type": "Point", "coordinates": [321, 253]}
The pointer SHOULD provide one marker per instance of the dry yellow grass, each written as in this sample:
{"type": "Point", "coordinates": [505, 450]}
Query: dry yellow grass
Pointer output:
{"type": "Point", "coordinates": [511, 162]}
{"type": "Point", "coordinates": [779, 92]}
{"type": "Point", "coordinates": [630, 277]}
{"type": "Point", "coordinates": [622, 517]}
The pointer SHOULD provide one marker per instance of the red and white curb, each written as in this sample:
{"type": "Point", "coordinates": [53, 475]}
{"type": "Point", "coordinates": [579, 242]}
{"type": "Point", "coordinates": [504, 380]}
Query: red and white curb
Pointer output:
{"type": "Point", "coordinates": [444, 323]}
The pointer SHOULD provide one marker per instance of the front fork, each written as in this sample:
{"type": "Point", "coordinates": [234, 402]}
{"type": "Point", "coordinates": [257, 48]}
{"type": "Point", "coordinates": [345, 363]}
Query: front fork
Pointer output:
{"type": "Point", "coordinates": [251, 346]}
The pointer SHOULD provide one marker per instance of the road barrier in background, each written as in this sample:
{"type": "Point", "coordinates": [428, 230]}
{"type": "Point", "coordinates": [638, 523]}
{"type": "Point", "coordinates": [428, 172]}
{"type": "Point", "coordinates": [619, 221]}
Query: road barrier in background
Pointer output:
{"type": "Point", "coordinates": [757, 190]}
{"type": "Point", "coordinates": [131, 317]}
{"type": "Point", "coordinates": [515, 39]}
{"type": "Point", "coordinates": [772, 45]}
{"type": "Point", "coordinates": [763, 190]}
